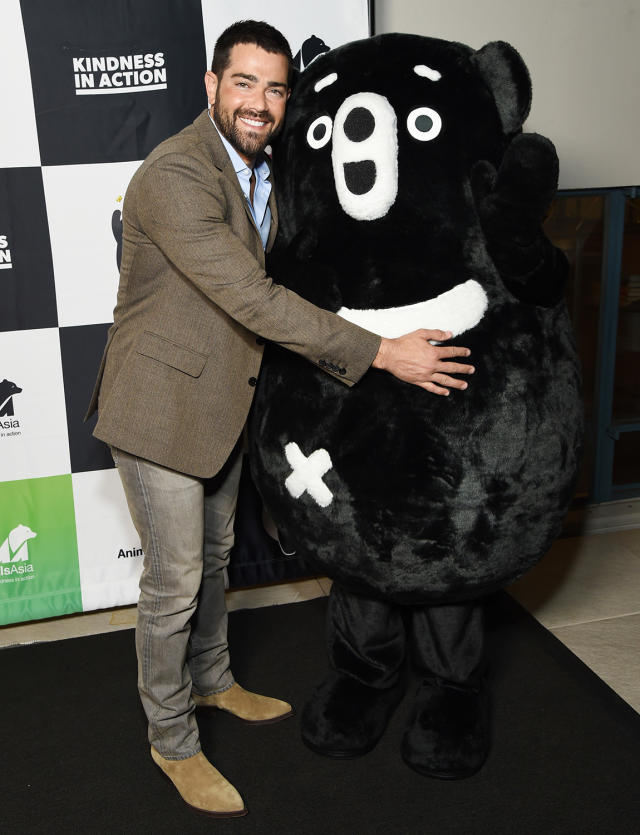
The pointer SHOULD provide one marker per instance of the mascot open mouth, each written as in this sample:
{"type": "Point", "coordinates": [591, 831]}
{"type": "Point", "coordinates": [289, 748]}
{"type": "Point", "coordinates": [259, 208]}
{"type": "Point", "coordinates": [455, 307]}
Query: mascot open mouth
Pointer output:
{"type": "Point", "coordinates": [456, 310]}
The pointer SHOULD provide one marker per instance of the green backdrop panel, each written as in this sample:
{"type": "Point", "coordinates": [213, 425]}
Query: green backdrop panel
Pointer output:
{"type": "Point", "coordinates": [39, 574]}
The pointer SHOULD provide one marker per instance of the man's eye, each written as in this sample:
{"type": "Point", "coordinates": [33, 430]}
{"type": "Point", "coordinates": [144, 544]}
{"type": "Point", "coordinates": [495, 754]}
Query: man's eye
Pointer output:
{"type": "Point", "coordinates": [424, 124]}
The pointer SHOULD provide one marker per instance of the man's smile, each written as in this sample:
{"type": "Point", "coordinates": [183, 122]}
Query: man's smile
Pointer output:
{"type": "Point", "coordinates": [253, 121]}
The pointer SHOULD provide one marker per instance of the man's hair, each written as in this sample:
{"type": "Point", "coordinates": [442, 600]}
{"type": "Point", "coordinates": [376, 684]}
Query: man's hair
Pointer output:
{"type": "Point", "coordinates": [249, 31]}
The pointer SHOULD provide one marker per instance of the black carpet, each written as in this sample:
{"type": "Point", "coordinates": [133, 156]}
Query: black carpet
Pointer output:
{"type": "Point", "coordinates": [565, 758]}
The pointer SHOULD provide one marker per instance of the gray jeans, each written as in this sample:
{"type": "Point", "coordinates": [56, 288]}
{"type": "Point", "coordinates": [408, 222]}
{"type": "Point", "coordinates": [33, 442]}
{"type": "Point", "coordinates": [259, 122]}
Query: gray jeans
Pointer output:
{"type": "Point", "coordinates": [185, 526]}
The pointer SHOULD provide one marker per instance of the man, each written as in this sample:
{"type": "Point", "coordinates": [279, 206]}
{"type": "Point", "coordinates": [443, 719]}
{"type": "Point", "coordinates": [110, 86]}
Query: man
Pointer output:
{"type": "Point", "coordinates": [177, 379]}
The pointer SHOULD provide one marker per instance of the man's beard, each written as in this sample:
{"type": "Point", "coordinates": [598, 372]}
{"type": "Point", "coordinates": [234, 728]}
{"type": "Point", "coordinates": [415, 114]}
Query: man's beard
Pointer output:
{"type": "Point", "coordinates": [247, 143]}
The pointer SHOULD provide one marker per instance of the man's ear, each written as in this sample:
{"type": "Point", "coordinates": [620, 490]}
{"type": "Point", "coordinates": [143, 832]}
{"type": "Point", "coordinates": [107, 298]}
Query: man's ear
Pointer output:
{"type": "Point", "coordinates": [211, 85]}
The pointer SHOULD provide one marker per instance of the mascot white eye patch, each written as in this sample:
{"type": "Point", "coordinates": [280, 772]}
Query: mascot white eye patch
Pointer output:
{"type": "Point", "coordinates": [319, 132]}
{"type": "Point", "coordinates": [424, 124]}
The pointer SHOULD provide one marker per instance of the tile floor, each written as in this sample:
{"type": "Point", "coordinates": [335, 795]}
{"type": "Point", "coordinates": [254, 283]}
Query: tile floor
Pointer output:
{"type": "Point", "coordinates": [586, 591]}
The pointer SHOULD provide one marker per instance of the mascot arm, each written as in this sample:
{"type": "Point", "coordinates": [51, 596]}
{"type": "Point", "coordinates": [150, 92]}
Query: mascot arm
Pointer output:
{"type": "Point", "coordinates": [512, 204]}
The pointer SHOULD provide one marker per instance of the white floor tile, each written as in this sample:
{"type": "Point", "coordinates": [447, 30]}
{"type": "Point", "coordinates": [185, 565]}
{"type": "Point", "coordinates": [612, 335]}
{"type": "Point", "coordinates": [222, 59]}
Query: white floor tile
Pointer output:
{"type": "Point", "coordinates": [70, 626]}
{"type": "Point", "coordinates": [610, 649]}
{"type": "Point", "coordinates": [325, 583]}
{"type": "Point", "coordinates": [631, 540]}
{"type": "Point", "coordinates": [294, 592]}
{"type": "Point", "coordinates": [583, 579]}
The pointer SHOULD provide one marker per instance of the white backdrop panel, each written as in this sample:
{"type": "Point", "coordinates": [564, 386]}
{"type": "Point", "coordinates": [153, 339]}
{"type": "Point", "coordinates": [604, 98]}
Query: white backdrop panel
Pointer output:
{"type": "Point", "coordinates": [335, 21]}
{"type": "Point", "coordinates": [81, 200]}
{"type": "Point", "coordinates": [19, 143]}
{"type": "Point", "coordinates": [109, 552]}
{"type": "Point", "coordinates": [36, 441]}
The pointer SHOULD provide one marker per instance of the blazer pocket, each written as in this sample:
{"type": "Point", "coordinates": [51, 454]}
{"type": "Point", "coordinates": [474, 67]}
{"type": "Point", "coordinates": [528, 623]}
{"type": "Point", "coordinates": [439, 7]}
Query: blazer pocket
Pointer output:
{"type": "Point", "coordinates": [171, 353]}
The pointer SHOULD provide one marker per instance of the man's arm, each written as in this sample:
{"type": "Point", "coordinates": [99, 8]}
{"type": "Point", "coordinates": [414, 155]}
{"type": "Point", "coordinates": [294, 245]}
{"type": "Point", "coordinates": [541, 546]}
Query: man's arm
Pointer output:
{"type": "Point", "coordinates": [182, 211]}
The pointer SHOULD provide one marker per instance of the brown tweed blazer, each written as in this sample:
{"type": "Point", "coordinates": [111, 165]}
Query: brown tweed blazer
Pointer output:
{"type": "Point", "coordinates": [194, 308]}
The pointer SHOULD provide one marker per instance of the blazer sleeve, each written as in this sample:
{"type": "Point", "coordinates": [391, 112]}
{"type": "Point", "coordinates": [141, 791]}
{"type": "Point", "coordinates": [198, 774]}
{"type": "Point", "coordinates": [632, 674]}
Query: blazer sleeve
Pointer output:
{"type": "Point", "coordinates": [182, 210]}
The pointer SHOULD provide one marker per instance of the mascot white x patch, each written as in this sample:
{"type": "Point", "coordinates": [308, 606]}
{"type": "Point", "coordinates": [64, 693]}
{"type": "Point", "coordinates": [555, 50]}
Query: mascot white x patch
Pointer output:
{"type": "Point", "coordinates": [307, 474]}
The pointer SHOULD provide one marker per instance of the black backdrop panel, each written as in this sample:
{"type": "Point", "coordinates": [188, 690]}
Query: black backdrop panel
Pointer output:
{"type": "Point", "coordinates": [113, 79]}
{"type": "Point", "coordinates": [256, 557]}
{"type": "Point", "coordinates": [81, 349]}
{"type": "Point", "coordinates": [27, 289]}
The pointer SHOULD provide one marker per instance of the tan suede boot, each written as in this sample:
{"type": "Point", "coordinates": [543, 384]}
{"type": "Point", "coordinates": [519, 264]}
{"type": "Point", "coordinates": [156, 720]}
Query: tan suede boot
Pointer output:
{"type": "Point", "coordinates": [201, 785]}
{"type": "Point", "coordinates": [255, 709]}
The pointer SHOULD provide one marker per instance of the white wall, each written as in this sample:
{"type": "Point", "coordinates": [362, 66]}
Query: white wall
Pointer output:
{"type": "Point", "coordinates": [584, 61]}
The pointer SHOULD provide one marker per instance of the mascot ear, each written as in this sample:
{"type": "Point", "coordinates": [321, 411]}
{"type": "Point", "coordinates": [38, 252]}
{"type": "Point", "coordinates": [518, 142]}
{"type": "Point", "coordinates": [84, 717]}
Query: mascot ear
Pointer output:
{"type": "Point", "coordinates": [506, 75]}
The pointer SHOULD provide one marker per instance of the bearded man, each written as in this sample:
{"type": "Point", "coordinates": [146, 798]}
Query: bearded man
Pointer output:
{"type": "Point", "coordinates": [178, 375]}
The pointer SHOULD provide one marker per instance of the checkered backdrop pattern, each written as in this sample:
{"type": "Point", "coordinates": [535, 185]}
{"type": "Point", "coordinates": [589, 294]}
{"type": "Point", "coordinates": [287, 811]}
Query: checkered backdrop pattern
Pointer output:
{"type": "Point", "coordinates": [88, 89]}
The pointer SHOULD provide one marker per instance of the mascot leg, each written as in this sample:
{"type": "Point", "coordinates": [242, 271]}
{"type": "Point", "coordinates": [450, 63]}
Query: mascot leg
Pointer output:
{"type": "Point", "coordinates": [448, 735]}
{"type": "Point", "coordinates": [348, 713]}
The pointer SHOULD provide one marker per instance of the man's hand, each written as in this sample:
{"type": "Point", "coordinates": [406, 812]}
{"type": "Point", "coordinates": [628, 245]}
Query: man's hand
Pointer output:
{"type": "Point", "coordinates": [413, 359]}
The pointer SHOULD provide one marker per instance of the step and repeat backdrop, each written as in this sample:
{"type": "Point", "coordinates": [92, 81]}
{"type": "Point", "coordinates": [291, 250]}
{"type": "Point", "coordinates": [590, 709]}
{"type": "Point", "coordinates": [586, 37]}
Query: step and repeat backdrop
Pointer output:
{"type": "Point", "coordinates": [88, 89]}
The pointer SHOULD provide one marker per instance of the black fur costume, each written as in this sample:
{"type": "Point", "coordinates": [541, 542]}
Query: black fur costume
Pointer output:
{"type": "Point", "coordinates": [403, 178]}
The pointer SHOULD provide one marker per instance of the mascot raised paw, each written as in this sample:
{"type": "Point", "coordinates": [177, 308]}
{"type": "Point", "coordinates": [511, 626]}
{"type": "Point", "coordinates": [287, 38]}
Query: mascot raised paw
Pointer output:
{"type": "Point", "coordinates": [410, 198]}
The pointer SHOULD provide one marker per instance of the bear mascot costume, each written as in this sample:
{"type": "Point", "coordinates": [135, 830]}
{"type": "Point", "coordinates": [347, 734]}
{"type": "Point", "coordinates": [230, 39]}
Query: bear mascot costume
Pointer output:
{"type": "Point", "coordinates": [410, 198]}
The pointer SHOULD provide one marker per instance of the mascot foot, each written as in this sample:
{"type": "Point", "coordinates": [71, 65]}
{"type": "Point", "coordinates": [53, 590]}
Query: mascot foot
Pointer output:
{"type": "Point", "coordinates": [345, 718]}
{"type": "Point", "coordinates": [449, 733]}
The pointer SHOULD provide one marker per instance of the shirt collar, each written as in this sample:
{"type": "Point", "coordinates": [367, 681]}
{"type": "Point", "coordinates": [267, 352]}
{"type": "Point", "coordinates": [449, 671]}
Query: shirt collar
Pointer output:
{"type": "Point", "coordinates": [239, 165]}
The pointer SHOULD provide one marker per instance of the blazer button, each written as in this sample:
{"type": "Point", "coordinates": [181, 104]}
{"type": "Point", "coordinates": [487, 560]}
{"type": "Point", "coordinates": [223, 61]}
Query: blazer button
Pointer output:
{"type": "Point", "coordinates": [252, 381]}
{"type": "Point", "coordinates": [342, 371]}
{"type": "Point", "coordinates": [322, 363]}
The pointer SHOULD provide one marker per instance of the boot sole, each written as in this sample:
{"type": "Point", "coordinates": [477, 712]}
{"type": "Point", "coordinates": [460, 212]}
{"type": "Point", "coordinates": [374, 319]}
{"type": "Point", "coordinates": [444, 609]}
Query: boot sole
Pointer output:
{"type": "Point", "coordinates": [443, 775]}
{"type": "Point", "coordinates": [338, 754]}
{"type": "Point", "coordinates": [220, 815]}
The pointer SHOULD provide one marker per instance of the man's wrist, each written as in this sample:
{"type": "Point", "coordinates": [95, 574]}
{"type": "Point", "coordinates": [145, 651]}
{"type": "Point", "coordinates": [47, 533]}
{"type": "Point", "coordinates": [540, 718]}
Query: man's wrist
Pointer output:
{"type": "Point", "coordinates": [381, 357]}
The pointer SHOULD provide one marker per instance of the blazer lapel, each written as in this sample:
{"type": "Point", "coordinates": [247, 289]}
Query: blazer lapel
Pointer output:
{"type": "Point", "coordinates": [220, 158]}
{"type": "Point", "coordinates": [273, 205]}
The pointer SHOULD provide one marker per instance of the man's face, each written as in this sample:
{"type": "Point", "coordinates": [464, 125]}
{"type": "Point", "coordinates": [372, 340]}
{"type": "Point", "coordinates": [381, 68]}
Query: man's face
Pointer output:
{"type": "Point", "coordinates": [250, 98]}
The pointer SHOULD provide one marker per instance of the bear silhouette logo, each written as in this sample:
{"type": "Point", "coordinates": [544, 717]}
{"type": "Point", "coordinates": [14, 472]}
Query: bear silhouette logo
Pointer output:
{"type": "Point", "coordinates": [310, 49]}
{"type": "Point", "coordinates": [7, 390]}
{"type": "Point", "coordinates": [15, 548]}
{"type": "Point", "coordinates": [116, 228]}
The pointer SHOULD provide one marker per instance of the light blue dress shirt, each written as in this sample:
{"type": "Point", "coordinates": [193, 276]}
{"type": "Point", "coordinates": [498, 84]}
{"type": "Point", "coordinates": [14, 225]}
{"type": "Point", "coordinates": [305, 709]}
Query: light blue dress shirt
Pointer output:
{"type": "Point", "coordinates": [260, 210]}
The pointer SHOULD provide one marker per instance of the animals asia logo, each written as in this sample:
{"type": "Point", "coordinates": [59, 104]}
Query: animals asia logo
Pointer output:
{"type": "Point", "coordinates": [7, 390]}
{"type": "Point", "coordinates": [14, 552]}
{"type": "Point", "coordinates": [310, 49]}
{"type": "Point", "coordinates": [116, 228]}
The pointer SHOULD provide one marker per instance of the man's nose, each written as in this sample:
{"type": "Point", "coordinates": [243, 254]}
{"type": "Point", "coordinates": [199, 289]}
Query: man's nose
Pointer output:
{"type": "Point", "coordinates": [258, 99]}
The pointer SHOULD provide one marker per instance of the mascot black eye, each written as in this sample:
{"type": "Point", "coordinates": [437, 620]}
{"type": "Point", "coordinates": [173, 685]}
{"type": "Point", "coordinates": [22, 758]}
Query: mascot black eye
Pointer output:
{"type": "Point", "coordinates": [424, 124]}
{"type": "Point", "coordinates": [319, 132]}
